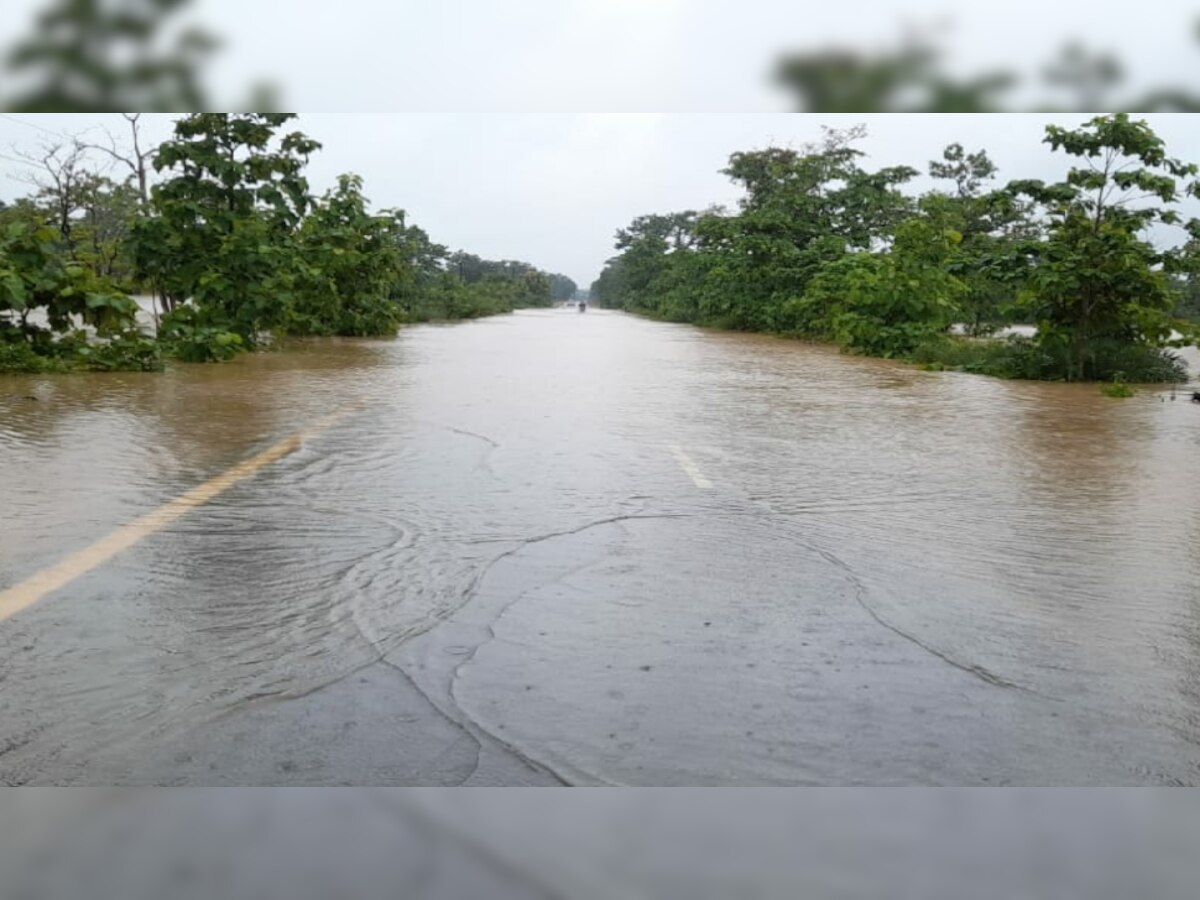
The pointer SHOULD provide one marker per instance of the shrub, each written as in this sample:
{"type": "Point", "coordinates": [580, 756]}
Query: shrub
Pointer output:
{"type": "Point", "coordinates": [74, 351]}
{"type": "Point", "coordinates": [1029, 358]}
{"type": "Point", "coordinates": [18, 356]}
{"type": "Point", "coordinates": [194, 335]}
{"type": "Point", "coordinates": [130, 352]}
{"type": "Point", "coordinates": [1116, 389]}
{"type": "Point", "coordinates": [1137, 363]}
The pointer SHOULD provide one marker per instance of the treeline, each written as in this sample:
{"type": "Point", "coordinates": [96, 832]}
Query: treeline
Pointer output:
{"type": "Point", "coordinates": [232, 246]}
{"type": "Point", "coordinates": [825, 249]}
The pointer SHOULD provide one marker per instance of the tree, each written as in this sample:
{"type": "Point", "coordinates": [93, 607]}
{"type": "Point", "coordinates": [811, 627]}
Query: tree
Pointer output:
{"type": "Point", "coordinates": [651, 245]}
{"type": "Point", "coordinates": [498, 285]}
{"type": "Point", "coordinates": [801, 209]}
{"type": "Point", "coordinates": [136, 158]}
{"type": "Point", "coordinates": [223, 225]}
{"type": "Point", "coordinates": [609, 290]}
{"type": "Point", "coordinates": [991, 223]}
{"type": "Point", "coordinates": [912, 77]}
{"type": "Point", "coordinates": [1095, 281]}
{"type": "Point", "coordinates": [422, 277]}
{"type": "Point", "coordinates": [60, 176]}
{"type": "Point", "coordinates": [1184, 268]}
{"type": "Point", "coordinates": [96, 56]}
{"type": "Point", "coordinates": [1089, 76]}
{"type": "Point", "coordinates": [886, 303]}
{"type": "Point", "coordinates": [24, 211]}
{"type": "Point", "coordinates": [108, 211]}
{"type": "Point", "coordinates": [561, 287]}
{"type": "Point", "coordinates": [347, 264]}
{"type": "Point", "coordinates": [968, 171]}
{"type": "Point", "coordinates": [907, 78]}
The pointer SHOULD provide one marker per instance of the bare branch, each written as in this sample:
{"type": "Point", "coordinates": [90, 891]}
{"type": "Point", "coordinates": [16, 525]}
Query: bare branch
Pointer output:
{"type": "Point", "coordinates": [136, 160]}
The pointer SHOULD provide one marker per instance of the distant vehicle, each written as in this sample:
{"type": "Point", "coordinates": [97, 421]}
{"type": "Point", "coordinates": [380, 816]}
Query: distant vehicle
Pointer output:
{"type": "Point", "coordinates": [582, 306]}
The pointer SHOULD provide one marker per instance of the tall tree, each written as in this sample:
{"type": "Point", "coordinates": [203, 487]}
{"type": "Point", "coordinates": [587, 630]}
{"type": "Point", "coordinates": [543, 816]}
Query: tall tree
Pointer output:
{"type": "Point", "coordinates": [990, 222]}
{"type": "Point", "coordinates": [223, 224]}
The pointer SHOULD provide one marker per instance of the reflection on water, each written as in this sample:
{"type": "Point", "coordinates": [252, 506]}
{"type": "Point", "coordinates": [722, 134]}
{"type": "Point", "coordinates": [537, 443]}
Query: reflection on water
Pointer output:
{"type": "Point", "coordinates": [896, 577]}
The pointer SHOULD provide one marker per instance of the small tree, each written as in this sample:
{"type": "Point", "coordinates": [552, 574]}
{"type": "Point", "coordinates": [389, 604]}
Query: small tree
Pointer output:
{"type": "Point", "coordinates": [349, 261]}
{"type": "Point", "coordinates": [107, 214]}
{"type": "Point", "coordinates": [886, 304]}
{"type": "Point", "coordinates": [1094, 280]}
{"type": "Point", "coordinates": [61, 177]}
{"type": "Point", "coordinates": [35, 277]}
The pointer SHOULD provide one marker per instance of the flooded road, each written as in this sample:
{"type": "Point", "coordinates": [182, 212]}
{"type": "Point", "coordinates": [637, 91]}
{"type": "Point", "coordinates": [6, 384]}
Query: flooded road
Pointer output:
{"type": "Point", "coordinates": [591, 549]}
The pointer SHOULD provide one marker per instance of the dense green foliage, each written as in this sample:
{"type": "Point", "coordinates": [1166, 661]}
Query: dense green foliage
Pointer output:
{"type": "Point", "coordinates": [1094, 279]}
{"type": "Point", "coordinates": [504, 284]}
{"type": "Point", "coordinates": [46, 300]}
{"type": "Point", "coordinates": [346, 266]}
{"type": "Point", "coordinates": [223, 229]}
{"type": "Point", "coordinates": [233, 247]}
{"type": "Point", "coordinates": [822, 248]}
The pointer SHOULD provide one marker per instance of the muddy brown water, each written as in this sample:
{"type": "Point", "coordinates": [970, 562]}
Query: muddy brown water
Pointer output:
{"type": "Point", "coordinates": [554, 547]}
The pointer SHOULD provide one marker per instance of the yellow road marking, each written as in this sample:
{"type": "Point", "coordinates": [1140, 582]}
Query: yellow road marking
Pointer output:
{"type": "Point", "coordinates": [690, 467]}
{"type": "Point", "coordinates": [28, 592]}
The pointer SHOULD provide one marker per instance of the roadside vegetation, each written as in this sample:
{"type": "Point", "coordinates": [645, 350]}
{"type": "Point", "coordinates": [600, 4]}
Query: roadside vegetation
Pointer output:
{"type": "Point", "coordinates": [822, 248]}
{"type": "Point", "coordinates": [219, 227]}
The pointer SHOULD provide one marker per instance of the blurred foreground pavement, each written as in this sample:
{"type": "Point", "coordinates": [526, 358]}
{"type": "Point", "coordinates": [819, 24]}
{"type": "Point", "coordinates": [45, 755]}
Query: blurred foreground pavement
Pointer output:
{"type": "Point", "coordinates": [599, 843]}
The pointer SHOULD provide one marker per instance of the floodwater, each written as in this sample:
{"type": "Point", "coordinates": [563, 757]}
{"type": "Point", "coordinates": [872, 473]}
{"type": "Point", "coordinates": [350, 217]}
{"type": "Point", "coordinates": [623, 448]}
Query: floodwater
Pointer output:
{"type": "Point", "coordinates": [592, 549]}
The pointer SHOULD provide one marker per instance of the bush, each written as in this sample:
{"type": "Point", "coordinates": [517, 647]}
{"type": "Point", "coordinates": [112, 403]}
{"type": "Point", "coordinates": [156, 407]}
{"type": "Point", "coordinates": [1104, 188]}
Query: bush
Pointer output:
{"type": "Point", "coordinates": [1117, 389]}
{"type": "Point", "coordinates": [74, 352]}
{"type": "Point", "coordinates": [1028, 358]}
{"type": "Point", "coordinates": [194, 335]}
{"type": "Point", "coordinates": [371, 317]}
{"type": "Point", "coordinates": [1138, 364]}
{"type": "Point", "coordinates": [18, 357]}
{"type": "Point", "coordinates": [1013, 358]}
{"type": "Point", "coordinates": [130, 352]}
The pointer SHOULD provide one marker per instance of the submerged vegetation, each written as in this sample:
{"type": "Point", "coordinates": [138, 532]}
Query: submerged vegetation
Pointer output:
{"type": "Point", "coordinates": [232, 247]}
{"type": "Point", "coordinates": [1117, 389]}
{"type": "Point", "coordinates": [825, 249]}
{"type": "Point", "coordinates": [1027, 358]}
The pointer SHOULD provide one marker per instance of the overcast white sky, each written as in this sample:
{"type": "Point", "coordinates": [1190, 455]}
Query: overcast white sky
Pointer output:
{"type": "Point", "coordinates": [629, 55]}
{"type": "Point", "coordinates": [552, 189]}
{"type": "Point", "coordinates": [647, 55]}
